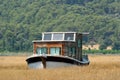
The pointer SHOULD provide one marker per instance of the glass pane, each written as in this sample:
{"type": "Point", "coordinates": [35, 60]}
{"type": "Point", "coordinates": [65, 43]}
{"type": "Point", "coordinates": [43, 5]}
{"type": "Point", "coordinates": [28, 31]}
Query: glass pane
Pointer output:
{"type": "Point", "coordinates": [55, 51]}
{"type": "Point", "coordinates": [52, 50]}
{"type": "Point", "coordinates": [79, 43]}
{"type": "Point", "coordinates": [47, 36]}
{"type": "Point", "coordinates": [41, 50]}
{"type": "Point", "coordinates": [69, 36]}
{"type": "Point", "coordinates": [71, 51]}
{"type": "Point", "coordinates": [57, 36]}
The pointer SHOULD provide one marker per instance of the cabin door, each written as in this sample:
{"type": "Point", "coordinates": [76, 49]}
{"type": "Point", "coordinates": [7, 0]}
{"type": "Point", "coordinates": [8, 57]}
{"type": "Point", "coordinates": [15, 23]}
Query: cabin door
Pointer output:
{"type": "Point", "coordinates": [55, 51]}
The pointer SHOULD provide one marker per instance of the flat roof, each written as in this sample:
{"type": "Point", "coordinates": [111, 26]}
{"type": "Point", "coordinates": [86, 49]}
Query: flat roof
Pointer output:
{"type": "Point", "coordinates": [68, 32]}
{"type": "Point", "coordinates": [51, 41]}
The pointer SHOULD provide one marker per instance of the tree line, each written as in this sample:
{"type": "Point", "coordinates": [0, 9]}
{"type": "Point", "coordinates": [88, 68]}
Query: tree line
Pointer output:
{"type": "Point", "coordinates": [22, 21]}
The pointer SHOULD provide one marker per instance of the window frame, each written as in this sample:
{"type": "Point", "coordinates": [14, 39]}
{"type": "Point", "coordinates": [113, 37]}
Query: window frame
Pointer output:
{"type": "Point", "coordinates": [47, 34]}
{"type": "Point", "coordinates": [55, 50]}
{"type": "Point", "coordinates": [46, 52]}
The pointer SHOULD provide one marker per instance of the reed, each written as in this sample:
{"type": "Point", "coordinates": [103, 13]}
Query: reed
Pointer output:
{"type": "Point", "coordinates": [102, 67]}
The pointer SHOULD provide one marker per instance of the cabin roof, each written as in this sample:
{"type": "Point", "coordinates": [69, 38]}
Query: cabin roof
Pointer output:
{"type": "Point", "coordinates": [68, 32]}
{"type": "Point", "coordinates": [59, 32]}
{"type": "Point", "coordinates": [50, 41]}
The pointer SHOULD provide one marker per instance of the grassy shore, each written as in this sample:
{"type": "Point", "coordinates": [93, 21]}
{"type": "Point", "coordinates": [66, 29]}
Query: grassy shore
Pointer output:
{"type": "Point", "coordinates": [102, 67]}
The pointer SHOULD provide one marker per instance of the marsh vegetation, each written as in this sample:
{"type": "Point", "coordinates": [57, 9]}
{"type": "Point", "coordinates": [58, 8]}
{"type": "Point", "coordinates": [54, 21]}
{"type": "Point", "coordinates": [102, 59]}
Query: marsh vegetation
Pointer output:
{"type": "Point", "coordinates": [102, 67]}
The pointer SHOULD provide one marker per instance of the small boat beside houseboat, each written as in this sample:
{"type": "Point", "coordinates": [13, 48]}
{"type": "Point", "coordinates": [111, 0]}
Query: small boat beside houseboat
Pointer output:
{"type": "Point", "coordinates": [58, 49]}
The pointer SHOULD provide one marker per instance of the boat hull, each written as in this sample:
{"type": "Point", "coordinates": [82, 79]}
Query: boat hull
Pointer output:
{"type": "Point", "coordinates": [49, 64]}
{"type": "Point", "coordinates": [40, 61]}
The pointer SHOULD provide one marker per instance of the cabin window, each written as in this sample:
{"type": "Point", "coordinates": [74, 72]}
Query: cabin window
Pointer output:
{"type": "Point", "coordinates": [47, 36]}
{"type": "Point", "coordinates": [58, 36]}
{"type": "Point", "coordinates": [79, 43]}
{"type": "Point", "coordinates": [55, 51]}
{"type": "Point", "coordinates": [71, 51]}
{"type": "Point", "coordinates": [69, 36]}
{"type": "Point", "coordinates": [42, 50]}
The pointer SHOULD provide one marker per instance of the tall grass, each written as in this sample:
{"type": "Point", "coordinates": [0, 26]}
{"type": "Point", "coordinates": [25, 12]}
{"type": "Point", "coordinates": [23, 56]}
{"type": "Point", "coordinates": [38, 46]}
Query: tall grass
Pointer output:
{"type": "Point", "coordinates": [101, 51]}
{"type": "Point", "coordinates": [7, 53]}
{"type": "Point", "coordinates": [102, 67]}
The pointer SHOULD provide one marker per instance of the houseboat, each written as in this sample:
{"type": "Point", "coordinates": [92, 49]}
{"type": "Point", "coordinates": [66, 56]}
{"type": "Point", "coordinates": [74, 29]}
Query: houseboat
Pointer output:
{"type": "Point", "coordinates": [58, 49]}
